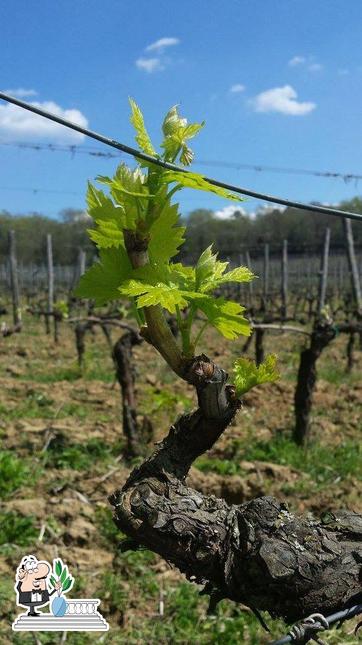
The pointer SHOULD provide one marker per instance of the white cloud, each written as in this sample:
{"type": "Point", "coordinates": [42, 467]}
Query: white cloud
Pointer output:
{"type": "Point", "coordinates": [343, 72]}
{"type": "Point", "coordinates": [268, 207]}
{"type": "Point", "coordinates": [308, 62]}
{"type": "Point", "coordinates": [160, 44]}
{"type": "Point", "coordinates": [282, 100]}
{"type": "Point", "coordinates": [296, 60]}
{"type": "Point", "coordinates": [315, 67]}
{"type": "Point", "coordinates": [228, 212]}
{"type": "Point", "coordinates": [150, 65]}
{"type": "Point", "coordinates": [238, 87]}
{"type": "Point", "coordinates": [21, 92]}
{"type": "Point", "coordinates": [17, 123]}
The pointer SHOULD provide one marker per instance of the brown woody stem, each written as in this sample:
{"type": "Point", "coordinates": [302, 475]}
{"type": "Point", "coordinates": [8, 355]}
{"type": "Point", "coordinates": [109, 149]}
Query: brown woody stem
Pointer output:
{"type": "Point", "coordinates": [257, 553]}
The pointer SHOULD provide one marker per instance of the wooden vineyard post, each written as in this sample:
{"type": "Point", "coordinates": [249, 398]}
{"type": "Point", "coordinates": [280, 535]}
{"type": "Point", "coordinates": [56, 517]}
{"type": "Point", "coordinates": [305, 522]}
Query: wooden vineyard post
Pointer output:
{"type": "Point", "coordinates": [50, 272]}
{"type": "Point", "coordinates": [353, 268]}
{"type": "Point", "coordinates": [79, 269]}
{"type": "Point", "coordinates": [250, 284]}
{"type": "Point", "coordinates": [356, 287]}
{"type": "Point", "coordinates": [249, 287]}
{"type": "Point", "coordinates": [284, 285]}
{"type": "Point", "coordinates": [259, 333]}
{"type": "Point", "coordinates": [266, 276]}
{"type": "Point", "coordinates": [323, 273]}
{"type": "Point", "coordinates": [240, 288]}
{"type": "Point", "coordinates": [14, 284]}
{"type": "Point", "coordinates": [81, 262]}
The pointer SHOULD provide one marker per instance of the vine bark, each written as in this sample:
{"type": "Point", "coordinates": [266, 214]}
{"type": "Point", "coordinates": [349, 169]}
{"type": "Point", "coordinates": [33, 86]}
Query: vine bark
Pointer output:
{"type": "Point", "coordinates": [257, 553]}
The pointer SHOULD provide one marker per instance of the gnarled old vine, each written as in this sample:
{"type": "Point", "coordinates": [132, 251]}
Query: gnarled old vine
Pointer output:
{"type": "Point", "coordinates": [257, 553]}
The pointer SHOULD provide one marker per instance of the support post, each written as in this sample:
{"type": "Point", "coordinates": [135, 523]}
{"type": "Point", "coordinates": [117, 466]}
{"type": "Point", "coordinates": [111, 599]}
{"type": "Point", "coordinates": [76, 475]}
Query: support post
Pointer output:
{"type": "Point", "coordinates": [250, 284]}
{"type": "Point", "coordinates": [353, 267]}
{"type": "Point", "coordinates": [284, 285]}
{"type": "Point", "coordinates": [266, 276]}
{"type": "Point", "coordinates": [50, 271]}
{"type": "Point", "coordinates": [81, 262]}
{"type": "Point", "coordinates": [14, 284]}
{"type": "Point", "coordinates": [323, 273]}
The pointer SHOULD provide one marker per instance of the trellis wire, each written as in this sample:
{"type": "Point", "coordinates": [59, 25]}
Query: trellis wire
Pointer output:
{"type": "Point", "coordinates": [169, 166]}
{"type": "Point", "coordinates": [342, 615]}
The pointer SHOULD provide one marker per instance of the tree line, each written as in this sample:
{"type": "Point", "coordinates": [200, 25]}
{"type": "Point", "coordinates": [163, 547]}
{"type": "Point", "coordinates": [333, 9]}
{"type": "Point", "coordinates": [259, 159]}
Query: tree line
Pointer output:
{"type": "Point", "coordinates": [304, 231]}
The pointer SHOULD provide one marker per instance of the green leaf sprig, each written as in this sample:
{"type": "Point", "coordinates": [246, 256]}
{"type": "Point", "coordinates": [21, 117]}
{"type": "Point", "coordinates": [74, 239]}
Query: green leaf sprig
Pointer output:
{"type": "Point", "coordinates": [248, 375]}
{"type": "Point", "coordinates": [139, 201]}
{"type": "Point", "coordinates": [61, 571]}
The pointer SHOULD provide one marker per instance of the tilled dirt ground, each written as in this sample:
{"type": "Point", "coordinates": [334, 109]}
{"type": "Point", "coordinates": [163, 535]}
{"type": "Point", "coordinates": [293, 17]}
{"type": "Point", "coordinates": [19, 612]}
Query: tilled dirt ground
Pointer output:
{"type": "Point", "coordinates": [64, 431]}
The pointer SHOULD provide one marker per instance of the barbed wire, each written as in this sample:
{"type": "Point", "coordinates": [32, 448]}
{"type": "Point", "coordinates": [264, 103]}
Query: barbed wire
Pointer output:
{"type": "Point", "coordinates": [175, 168]}
{"type": "Point", "coordinates": [41, 190]}
{"type": "Point", "coordinates": [73, 150]}
{"type": "Point", "coordinates": [55, 147]}
{"type": "Point", "coordinates": [327, 174]}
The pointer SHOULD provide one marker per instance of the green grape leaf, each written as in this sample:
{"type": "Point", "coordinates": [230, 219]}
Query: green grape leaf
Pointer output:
{"type": "Point", "coordinates": [183, 276]}
{"type": "Point", "coordinates": [192, 130]}
{"type": "Point", "coordinates": [171, 147]}
{"type": "Point", "coordinates": [177, 132]}
{"type": "Point", "coordinates": [172, 122]}
{"type": "Point", "coordinates": [210, 272]}
{"type": "Point", "coordinates": [58, 568]}
{"type": "Point", "coordinates": [106, 234]}
{"type": "Point", "coordinates": [102, 281]}
{"type": "Point", "coordinates": [205, 266]}
{"type": "Point", "coordinates": [165, 237]}
{"type": "Point", "coordinates": [248, 375]}
{"type": "Point", "coordinates": [239, 274]}
{"type": "Point", "coordinates": [218, 277]}
{"type": "Point", "coordinates": [148, 295]}
{"type": "Point", "coordinates": [187, 155]}
{"type": "Point", "coordinates": [142, 136]}
{"type": "Point", "coordinates": [152, 274]}
{"type": "Point", "coordinates": [62, 307]}
{"type": "Point", "coordinates": [224, 315]}
{"type": "Point", "coordinates": [119, 187]}
{"type": "Point", "coordinates": [128, 189]}
{"type": "Point", "coordinates": [101, 207]}
{"type": "Point", "coordinates": [198, 182]}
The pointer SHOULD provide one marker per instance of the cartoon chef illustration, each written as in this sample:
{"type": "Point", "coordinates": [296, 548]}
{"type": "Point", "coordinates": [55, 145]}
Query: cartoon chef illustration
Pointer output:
{"type": "Point", "coordinates": [31, 583]}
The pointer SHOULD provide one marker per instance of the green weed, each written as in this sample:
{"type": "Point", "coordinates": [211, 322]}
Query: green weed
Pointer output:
{"type": "Point", "coordinates": [16, 529]}
{"type": "Point", "coordinates": [336, 374]}
{"type": "Point", "coordinates": [155, 400]}
{"type": "Point", "coordinates": [55, 375]}
{"type": "Point", "coordinates": [219, 466]}
{"type": "Point", "coordinates": [106, 526]}
{"type": "Point", "coordinates": [77, 456]}
{"type": "Point", "coordinates": [323, 464]}
{"type": "Point", "coordinates": [13, 473]}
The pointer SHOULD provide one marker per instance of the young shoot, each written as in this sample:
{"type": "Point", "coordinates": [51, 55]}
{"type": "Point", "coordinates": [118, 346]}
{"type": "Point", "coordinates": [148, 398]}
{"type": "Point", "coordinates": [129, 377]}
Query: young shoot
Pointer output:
{"type": "Point", "coordinates": [138, 233]}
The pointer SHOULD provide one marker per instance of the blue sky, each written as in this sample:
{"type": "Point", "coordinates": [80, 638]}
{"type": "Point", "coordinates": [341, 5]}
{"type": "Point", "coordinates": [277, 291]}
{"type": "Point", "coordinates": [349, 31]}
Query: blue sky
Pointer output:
{"type": "Point", "coordinates": [278, 82]}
